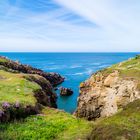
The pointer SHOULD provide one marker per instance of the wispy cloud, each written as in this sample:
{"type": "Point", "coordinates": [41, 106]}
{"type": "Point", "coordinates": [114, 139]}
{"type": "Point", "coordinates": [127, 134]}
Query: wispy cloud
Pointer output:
{"type": "Point", "coordinates": [63, 25]}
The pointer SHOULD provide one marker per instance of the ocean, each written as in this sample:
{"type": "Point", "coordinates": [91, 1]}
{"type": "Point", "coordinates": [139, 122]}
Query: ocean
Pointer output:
{"type": "Point", "coordinates": [75, 67]}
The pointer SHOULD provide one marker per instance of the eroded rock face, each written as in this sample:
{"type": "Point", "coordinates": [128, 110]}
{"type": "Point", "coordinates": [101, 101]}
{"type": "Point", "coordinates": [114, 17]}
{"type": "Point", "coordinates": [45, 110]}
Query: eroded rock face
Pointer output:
{"type": "Point", "coordinates": [54, 78]}
{"type": "Point", "coordinates": [45, 96]}
{"type": "Point", "coordinates": [65, 91]}
{"type": "Point", "coordinates": [102, 96]}
{"type": "Point", "coordinates": [16, 112]}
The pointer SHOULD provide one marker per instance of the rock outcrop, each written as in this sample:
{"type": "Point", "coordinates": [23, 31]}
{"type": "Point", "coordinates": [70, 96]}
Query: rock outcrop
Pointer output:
{"type": "Point", "coordinates": [65, 91]}
{"type": "Point", "coordinates": [31, 90]}
{"type": "Point", "coordinates": [54, 78]}
{"type": "Point", "coordinates": [106, 91]}
{"type": "Point", "coordinates": [121, 126]}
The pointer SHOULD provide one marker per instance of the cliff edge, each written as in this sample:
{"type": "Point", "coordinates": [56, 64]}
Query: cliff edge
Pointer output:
{"type": "Point", "coordinates": [109, 90]}
{"type": "Point", "coordinates": [24, 90]}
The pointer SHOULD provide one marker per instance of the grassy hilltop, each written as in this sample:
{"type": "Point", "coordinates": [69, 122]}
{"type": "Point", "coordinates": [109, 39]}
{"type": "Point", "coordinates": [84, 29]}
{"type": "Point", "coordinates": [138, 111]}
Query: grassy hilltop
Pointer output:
{"type": "Point", "coordinates": [15, 88]}
{"type": "Point", "coordinates": [127, 69]}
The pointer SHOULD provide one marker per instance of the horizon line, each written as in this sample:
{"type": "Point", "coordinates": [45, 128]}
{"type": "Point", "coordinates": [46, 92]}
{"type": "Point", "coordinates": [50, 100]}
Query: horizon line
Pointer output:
{"type": "Point", "coordinates": [67, 52]}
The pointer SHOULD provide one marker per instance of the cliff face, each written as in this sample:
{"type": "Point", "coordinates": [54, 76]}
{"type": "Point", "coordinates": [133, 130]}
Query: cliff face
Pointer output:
{"type": "Point", "coordinates": [53, 78]}
{"type": "Point", "coordinates": [27, 97]}
{"type": "Point", "coordinates": [124, 125]}
{"type": "Point", "coordinates": [107, 91]}
{"type": "Point", "coordinates": [25, 90]}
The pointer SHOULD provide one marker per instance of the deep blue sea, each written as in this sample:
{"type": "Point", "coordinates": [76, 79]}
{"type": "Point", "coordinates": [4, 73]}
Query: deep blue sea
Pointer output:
{"type": "Point", "coordinates": [75, 67]}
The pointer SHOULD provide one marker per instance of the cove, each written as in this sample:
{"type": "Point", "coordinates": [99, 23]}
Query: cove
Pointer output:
{"type": "Point", "coordinates": [75, 67]}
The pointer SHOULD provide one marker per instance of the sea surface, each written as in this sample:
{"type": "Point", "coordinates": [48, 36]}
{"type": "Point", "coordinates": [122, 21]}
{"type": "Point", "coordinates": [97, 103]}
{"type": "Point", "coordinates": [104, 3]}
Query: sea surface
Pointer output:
{"type": "Point", "coordinates": [75, 67]}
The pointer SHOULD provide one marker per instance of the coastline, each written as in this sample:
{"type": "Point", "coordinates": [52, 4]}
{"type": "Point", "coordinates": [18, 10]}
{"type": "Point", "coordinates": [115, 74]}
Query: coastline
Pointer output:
{"type": "Point", "coordinates": [79, 67]}
{"type": "Point", "coordinates": [41, 103]}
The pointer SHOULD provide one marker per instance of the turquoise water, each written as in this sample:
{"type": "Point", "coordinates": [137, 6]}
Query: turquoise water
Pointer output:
{"type": "Point", "coordinates": [75, 67]}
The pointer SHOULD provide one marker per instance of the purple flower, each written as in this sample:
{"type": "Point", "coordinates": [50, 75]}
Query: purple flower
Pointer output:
{"type": "Point", "coordinates": [5, 105]}
{"type": "Point", "coordinates": [17, 105]}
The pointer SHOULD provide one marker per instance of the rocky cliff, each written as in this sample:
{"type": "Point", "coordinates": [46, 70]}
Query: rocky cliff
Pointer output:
{"type": "Point", "coordinates": [12, 66]}
{"type": "Point", "coordinates": [28, 106]}
{"type": "Point", "coordinates": [24, 90]}
{"type": "Point", "coordinates": [123, 125]}
{"type": "Point", "coordinates": [109, 90]}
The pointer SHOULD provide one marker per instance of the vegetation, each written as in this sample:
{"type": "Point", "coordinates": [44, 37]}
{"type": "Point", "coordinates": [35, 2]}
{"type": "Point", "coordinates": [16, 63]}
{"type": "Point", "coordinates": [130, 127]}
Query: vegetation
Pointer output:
{"type": "Point", "coordinates": [15, 88]}
{"type": "Point", "coordinates": [50, 125]}
{"type": "Point", "coordinates": [53, 124]}
{"type": "Point", "coordinates": [3, 60]}
{"type": "Point", "coordinates": [18, 88]}
{"type": "Point", "coordinates": [125, 125]}
{"type": "Point", "coordinates": [129, 68]}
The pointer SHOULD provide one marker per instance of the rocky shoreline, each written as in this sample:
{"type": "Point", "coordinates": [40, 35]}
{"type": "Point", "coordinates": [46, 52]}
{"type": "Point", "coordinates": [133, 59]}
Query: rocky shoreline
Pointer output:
{"type": "Point", "coordinates": [109, 90]}
{"type": "Point", "coordinates": [28, 101]}
{"type": "Point", "coordinates": [44, 95]}
{"type": "Point", "coordinates": [54, 78]}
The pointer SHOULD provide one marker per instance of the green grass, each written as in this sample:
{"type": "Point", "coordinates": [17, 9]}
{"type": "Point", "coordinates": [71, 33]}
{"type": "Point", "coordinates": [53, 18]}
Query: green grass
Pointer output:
{"type": "Point", "coordinates": [3, 60]}
{"type": "Point", "coordinates": [15, 88]}
{"type": "Point", "coordinates": [51, 125]}
{"type": "Point", "coordinates": [129, 68]}
{"type": "Point", "coordinates": [125, 125]}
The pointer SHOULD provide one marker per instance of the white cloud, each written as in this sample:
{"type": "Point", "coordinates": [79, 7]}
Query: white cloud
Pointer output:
{"type": "Point", "coordinates": [102, 25]}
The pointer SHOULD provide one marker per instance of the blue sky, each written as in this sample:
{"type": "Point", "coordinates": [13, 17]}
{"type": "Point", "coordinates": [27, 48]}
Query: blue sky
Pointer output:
{"type": "Point", "coordinates": [70, 25]}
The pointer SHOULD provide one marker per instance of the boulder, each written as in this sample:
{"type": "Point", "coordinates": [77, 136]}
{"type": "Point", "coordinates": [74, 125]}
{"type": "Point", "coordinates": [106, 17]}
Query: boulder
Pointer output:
{"type": "Point", "coordinates": [65, 91]}
{"type": "Point", "coordinates": [55, 89]}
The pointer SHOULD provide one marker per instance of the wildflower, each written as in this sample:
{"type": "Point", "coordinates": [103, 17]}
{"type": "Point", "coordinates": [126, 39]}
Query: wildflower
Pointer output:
{"type": "Point", "coordinates": [5, 105]}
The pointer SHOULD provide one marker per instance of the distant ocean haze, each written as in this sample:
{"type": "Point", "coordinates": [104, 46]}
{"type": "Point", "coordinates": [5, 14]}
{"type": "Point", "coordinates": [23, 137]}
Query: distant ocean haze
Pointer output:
{"type": "Point", "coordinates": [75, 67]}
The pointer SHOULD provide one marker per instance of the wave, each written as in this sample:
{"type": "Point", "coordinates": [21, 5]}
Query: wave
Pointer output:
{"type": "Point", "coordinates": [89, 71]}
{"type": "Point", "coordinates": [86, 72]}
{"type": "Point", "coordinates": [55, 67]}
{"type": "Point", "coordinates": [75, 66]}
{"type": "Point", "coordinates": [51, 63]}
{"type": "Point", "coordinates": [95, 64]}
{"type": "Point", "coordinates": [78, 73]}
{"type": "Point", "coordinates": [75, 74]}
{"type": "Point", "coordinates": [52, 68]}
{"type": "Point", "coordinates": [103, 66]}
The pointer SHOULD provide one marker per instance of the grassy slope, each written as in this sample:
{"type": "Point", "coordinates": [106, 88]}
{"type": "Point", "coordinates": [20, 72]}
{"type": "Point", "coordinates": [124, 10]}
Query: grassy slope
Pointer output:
{"type": "Point", "coordinates": [3, 60]}
{"type": "Point", "coordinates": [15, 88]}
{"type": "Point", "coordinates": [125, 125]}
{"type": "Point", "coordinates": [129, 68]}
{"type": "Point", "coordinates": [50, 125]}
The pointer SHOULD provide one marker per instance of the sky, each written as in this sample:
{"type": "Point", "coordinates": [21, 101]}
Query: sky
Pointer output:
{"type": "Point", "coordinates": [69, 25]}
